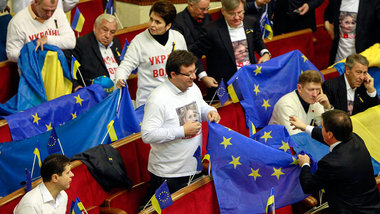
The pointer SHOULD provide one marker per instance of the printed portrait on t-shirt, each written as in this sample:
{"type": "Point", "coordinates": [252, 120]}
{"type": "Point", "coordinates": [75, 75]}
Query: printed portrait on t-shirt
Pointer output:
{"type": "Point", "coordinates": [241, 53]}
{"type": "Point", "coordinates": [188, 113]}
{"type": "Point", "coordinates": [347, 24]}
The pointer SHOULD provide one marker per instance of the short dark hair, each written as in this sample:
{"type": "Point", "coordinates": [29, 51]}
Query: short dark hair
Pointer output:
{"type": "Point", "coordinates": [53, 164]}
{"type": "Point", "coordinates": [310, 76]}
{"type": "Point", "coordinates": [352, 59]}
{"type": "Point", "coordinates": [165, 9]}
{"type": "Point", "coordinates": [339, 123]}
{"type": "Point", "coordinates": [177, 59]}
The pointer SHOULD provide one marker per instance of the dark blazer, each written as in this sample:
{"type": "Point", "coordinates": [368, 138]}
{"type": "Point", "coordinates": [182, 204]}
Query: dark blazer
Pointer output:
{"type": "Point", "coordinates": [215, 43]}
{"type": "Point", "coordinates": [188, 27]}
{"type": "Point", "coordinates": [336, 91]}
{"type": "Point", "coordinates": [367, 25]}
{"type": "Point", "coordinates": [347, 176]}
{"type": "Point", "coordinates": [106, 166]}
{"type": "Point", "coordinates": [87, 52]}
{"type": "Point", "coordinates": [285, 20]}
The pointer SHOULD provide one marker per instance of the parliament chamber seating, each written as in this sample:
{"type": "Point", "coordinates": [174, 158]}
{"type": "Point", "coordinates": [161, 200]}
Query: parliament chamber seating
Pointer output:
{"type": "Point", "coordinates": [199, 195]}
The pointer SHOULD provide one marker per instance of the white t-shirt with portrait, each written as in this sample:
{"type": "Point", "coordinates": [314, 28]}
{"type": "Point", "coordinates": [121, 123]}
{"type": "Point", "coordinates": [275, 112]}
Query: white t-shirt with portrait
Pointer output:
{"type": "Point", "coordinates": [347, 28]}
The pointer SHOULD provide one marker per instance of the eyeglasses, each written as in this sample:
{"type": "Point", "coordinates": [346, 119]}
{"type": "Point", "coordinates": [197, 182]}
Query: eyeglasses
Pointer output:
{"type": "Point", "coordinates": [233, 14]}
{"type": "Point", "coordinates": [204, 9]}
{"type": "Point", "coordinates": [188, 75]}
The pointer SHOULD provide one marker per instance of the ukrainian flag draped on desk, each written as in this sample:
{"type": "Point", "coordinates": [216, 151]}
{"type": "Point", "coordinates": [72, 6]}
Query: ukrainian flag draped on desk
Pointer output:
{"type": "Point", "coordinates": [258, 87]}
{"type": "Point", "coordinates": [44, 76]}
{"type": "Point", "coordinates": [76, 136]}
{"type": "Point", "coordinates": [245, 170]}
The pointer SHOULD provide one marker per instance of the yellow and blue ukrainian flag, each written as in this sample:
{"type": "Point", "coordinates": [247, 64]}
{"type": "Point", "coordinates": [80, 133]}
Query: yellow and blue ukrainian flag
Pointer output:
{"type": "Point", "coordinates": [78, 21]}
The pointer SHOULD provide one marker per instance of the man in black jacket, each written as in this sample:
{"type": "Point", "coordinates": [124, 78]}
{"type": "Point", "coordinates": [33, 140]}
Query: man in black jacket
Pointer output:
{"type": "Point", "coordinates": [346, 173]}
{"type": "Point", "coordinates": [354, 91]}
{"type": "Point", "coordinates": [189, 22]}
{"type": "Point", "coordinates": [98, 52]}
{"type": "Point", "coordinates": [230, 42]}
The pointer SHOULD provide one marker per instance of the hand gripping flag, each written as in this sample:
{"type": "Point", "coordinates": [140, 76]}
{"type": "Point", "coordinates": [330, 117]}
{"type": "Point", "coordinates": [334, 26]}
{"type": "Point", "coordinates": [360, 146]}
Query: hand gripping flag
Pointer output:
{"type": "Point", "coordinates": [161, 198]}
{"type": "Point", "coordinates": [78, 21]}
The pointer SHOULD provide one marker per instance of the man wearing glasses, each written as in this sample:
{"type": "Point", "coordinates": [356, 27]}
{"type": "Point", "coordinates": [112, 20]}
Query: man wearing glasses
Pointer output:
{"type": "Point", "coordinates": [220, 38]}
{"type": "Point", "coordinates": [189, 22]}
{"type": "Point", "coordinates": [172, 126]}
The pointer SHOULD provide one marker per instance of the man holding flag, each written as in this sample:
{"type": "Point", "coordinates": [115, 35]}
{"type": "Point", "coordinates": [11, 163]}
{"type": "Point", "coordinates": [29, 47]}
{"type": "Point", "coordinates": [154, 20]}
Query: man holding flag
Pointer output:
{"type": "Point", "coordinates": [175, 139]}
{"type": "Point", "coordinates": [41, 20]}
{"type": "Point", "coordinates": [346, 173]}
{"type": "Point", "coordinates": [97, 52]}
{"type": "Point", "coordinates": [49, 196]}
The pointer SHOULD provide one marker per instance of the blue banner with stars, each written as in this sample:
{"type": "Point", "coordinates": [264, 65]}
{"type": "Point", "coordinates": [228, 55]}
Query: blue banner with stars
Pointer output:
{"type": "Point", "coordinates": [45, 116]}
{"type": "Point", "coordinates": [262, 85]}
{"type": "Point", "coordinates": [87, 130]}
{"type": "Point", "coordinates": [245, 170]}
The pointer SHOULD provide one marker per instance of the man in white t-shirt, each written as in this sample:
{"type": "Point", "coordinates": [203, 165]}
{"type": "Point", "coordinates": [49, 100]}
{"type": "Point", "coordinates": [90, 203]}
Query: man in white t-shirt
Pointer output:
{"type": "Point", "coordinates": [172, 125]}
{"type": "Point", "coordinates": [41, 20]}
{"type": "Point", "coordinates": [353, 25]}
{"type": "Point", "coordinates": [49, 196]}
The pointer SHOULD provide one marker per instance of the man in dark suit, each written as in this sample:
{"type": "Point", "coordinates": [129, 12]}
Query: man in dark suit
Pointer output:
{"type": "Point", "coordinates": [354, 91]}
{"type": "Point", "coordinates": [366, 30]}
{"type": "Point", "coordinates": [229, 43]}
{"type": "Point", "coordinates": [98, 52]}
{"type": "Point", "coordinates": [346, 173]}
{"type": "Point", "coordinates": [189, 22]}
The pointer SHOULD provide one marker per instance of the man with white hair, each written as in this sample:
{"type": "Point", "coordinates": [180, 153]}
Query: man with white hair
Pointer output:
{"type": "Point", "coordinates": [98, 52]}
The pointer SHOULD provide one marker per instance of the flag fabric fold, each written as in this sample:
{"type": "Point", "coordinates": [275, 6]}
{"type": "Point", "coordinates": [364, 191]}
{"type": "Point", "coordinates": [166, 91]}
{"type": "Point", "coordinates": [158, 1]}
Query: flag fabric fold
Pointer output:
{"type": "Point", "coordinates": [89, 129]}
{"type": "Point", "coordinates": [78, 21]}
{"type": "Point", "coordinates": [38, 83]}
{"type": "Point", "coordinates": [245, 170]}
{"type": "Point", "coordinates": [161, 198]}
{"type": "Point", "coordinates": [45, 116]}
{"type": "Point", "coordinates": [253, 84]}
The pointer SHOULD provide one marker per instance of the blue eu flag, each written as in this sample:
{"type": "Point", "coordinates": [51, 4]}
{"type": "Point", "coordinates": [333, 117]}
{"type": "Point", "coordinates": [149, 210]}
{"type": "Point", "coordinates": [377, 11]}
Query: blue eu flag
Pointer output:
{"type": "Point", "coordinates": [53, 144]}
{"type": "Point", "coordinates": [254, 84]}
{"type": "Point", "coordinates": [245, 170]}
{"type": "Point", "coordinates": [222, 92]}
